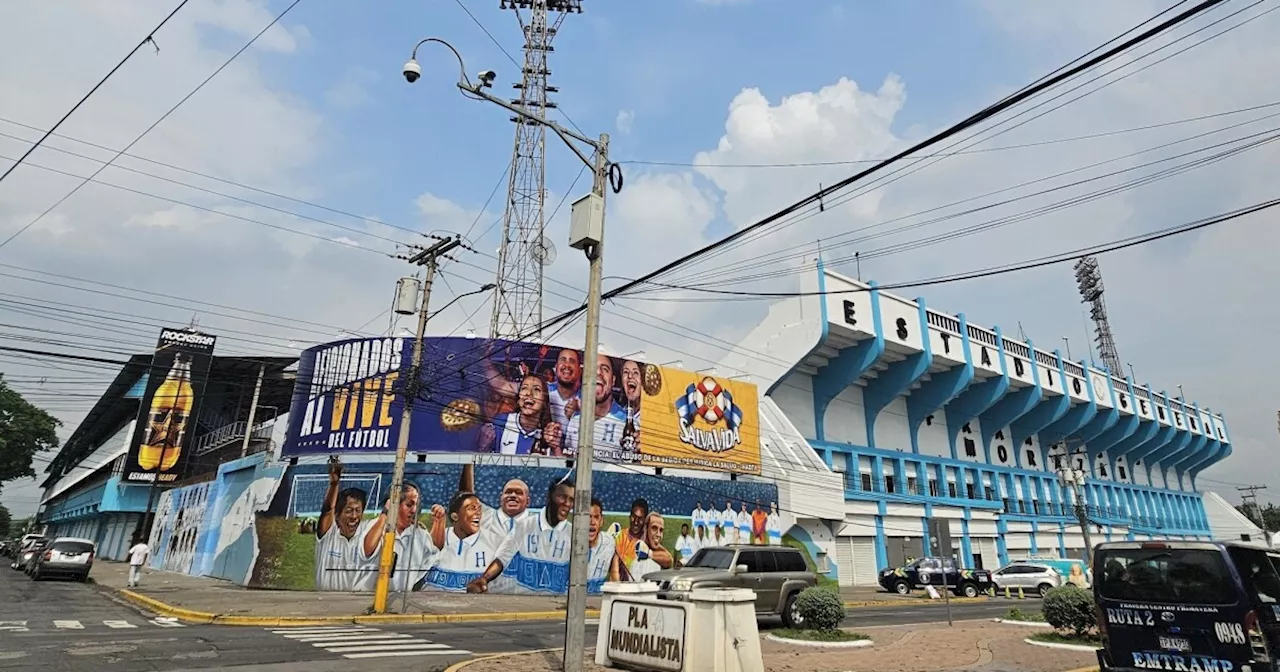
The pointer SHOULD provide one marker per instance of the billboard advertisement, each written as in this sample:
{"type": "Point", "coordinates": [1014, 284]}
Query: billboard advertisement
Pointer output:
{"type": "Point", "coordinates": [519, 398]}
{"type": "Point", "coordinates": [160, 445]}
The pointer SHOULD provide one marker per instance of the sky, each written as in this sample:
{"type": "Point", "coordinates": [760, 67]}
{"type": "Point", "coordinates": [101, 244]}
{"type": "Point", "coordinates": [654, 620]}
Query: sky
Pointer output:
{"type": "Point", "coordinates": [268, 206]}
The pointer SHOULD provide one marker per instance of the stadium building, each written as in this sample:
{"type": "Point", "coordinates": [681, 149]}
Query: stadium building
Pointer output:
{"type": "Point", "coordinates": [916, 414]}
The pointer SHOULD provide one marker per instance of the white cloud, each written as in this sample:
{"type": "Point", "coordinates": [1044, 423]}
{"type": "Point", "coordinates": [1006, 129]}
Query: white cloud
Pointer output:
{"type": "Point", "coordinates": [352, 88]}
{"type": "Point", "coordinates": [625, 120]}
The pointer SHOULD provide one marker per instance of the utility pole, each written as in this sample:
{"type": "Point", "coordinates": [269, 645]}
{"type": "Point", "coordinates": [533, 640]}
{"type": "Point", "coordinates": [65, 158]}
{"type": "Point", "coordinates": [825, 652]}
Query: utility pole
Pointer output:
{"type": "Point", "coordinates": [1074, 479]}
{"type": "Point", "coordinates": [429, 258]}
{"type": "Point", "coordinates": [253, 406]}
{"type": "Point", "coordinates": [1249, 499]}
{"type": "Point", "coordinates": [580, 547]}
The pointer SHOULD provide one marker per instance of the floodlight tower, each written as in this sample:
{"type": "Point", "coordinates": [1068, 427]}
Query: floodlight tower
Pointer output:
{"type": "Point", "coordinates": [1089, 280]}
{"type": "Point", "coordinates": [525, 250]}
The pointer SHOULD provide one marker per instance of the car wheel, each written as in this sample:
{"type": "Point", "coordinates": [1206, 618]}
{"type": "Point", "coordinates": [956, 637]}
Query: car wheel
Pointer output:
{"type": "Point", "coordinates": [902, 588]}
{"type": "Point", "coordinates": [1045, 588]}
{"type": "Point", "coordinates": [969, 590]}
{"type": "Point", "coordinates": [791, 614]}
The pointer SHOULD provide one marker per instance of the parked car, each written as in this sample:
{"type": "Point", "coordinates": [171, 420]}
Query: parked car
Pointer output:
{"type": "Point", "coordinates": [936, 572]}
{"type": "Point", "coordinates": [1029, 576]}
{"type": "Point", "coordinates": [28, 552]}
{"type": "Point", "coordinates": [1187, 605]}
{"type": "Point", "coordinates": [1073, 570]}
{"type": "Point", "coordinates": [66, 556]}
{"type": "Point", "coordinates": [777, 574]}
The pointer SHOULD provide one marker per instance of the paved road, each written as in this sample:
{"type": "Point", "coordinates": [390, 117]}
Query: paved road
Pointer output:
{"type": "Point", "coordinates": [527, 635]}
{"type": "Point", "coordinates": [73, 626]}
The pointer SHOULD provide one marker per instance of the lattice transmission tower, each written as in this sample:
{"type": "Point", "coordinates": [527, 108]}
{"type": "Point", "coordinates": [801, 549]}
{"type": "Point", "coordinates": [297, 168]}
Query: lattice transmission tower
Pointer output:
{"type": "Point", "coordinates": [1089, 280]}
{"type": "Point", "coordinates": [525, 250]}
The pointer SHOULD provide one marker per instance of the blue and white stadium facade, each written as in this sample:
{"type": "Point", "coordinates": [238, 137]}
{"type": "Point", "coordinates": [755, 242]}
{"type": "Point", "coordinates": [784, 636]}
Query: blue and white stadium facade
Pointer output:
{"type": "Point", "coordinates": [880, 413]}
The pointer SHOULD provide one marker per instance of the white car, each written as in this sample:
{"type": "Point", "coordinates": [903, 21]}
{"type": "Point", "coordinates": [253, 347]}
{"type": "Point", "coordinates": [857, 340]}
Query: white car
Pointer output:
{"type": "Point", "coordinates": [1029, 576]}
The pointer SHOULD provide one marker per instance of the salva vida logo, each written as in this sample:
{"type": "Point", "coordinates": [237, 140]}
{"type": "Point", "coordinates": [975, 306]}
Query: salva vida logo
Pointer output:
{"type": "Point", "coordinates": [713, 404]}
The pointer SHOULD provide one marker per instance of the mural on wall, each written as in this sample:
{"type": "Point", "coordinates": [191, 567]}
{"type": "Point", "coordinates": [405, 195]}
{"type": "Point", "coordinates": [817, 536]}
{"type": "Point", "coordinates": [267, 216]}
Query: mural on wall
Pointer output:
{"type": "Point", "coordinates": [209, 529]}
{"type": "Point", "coordinates": [518, 398]}
{"type": "Point", "coordinates": [495, 529]}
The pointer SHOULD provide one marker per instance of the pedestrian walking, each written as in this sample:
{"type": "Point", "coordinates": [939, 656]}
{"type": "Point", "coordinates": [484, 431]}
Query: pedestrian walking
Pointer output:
{"type": "Point", "coordinates": [137, 558]}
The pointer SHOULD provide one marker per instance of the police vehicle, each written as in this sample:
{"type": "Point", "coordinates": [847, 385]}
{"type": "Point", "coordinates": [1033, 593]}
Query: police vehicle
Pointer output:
{"type": "Point", "coordinates": [936, 572]}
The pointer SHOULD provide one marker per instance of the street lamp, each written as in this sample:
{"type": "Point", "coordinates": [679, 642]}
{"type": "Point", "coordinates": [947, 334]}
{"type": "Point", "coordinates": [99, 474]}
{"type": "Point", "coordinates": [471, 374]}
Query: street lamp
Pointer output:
{"type": "Point", "coordinates": [586, 234]}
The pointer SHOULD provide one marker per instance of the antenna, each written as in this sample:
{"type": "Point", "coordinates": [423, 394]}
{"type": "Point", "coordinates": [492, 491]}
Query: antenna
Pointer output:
{"type": "Point", "coordinates": [517, 303]}
{"type": "Point", "coordinates": [544, 252]}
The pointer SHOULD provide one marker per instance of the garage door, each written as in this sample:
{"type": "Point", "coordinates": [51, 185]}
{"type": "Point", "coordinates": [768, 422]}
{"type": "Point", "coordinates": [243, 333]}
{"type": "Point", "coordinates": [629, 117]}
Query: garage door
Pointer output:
{"type": "Point", "coordinates": [1047, 544]}
{"type": "Point", "coordinates": [985, 555]}
{"type": "Point", "coordinates": [844, 558]}
{"type": "Point", "coordinates": [864, 561]}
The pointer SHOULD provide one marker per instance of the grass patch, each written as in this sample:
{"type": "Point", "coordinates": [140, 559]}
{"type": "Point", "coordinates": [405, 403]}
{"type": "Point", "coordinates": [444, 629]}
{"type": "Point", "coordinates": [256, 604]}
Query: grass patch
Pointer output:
{"type": "Point", "coordinates": [1016, 614]}
{"type": "Point", "coordinates": [1064, 638]}
{"type": "Point", "coordinates": [818, 635]}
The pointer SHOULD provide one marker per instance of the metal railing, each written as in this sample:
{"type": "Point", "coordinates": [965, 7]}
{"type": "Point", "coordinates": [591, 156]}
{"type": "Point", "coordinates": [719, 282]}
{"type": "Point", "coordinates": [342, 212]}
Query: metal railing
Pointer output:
{"type": "Point", "coordinates": [231, 433]}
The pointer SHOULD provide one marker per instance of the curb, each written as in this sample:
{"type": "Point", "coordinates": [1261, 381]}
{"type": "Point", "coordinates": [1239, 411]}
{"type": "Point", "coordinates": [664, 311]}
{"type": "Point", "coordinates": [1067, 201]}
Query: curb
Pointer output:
{"type": "Point", "coordinates": [494, 656]}
{"type": "Point", "coordinates": [1032, 624]}
{"type": "Point", "coordinates": [911, 602]}
{"type": "Point", "coordinates": [206, 618]}
{"type": "Point", "coordinates": [853, 644]}
{"type": "Point", "coordinates": [1065, 647]}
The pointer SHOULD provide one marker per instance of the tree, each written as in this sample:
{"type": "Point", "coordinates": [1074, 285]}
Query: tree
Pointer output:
{"type": "Point", "coordinates": [1269, 515]}
{"type": "Point", "coordinates": [24, 431]}
{"type": "Point", "coordinates": [5, 521]}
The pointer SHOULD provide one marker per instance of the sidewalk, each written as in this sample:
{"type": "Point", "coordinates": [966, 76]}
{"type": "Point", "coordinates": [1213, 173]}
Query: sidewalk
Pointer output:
{"type": "Point", "coordinates": [199, 599]}
{"type": "Point", "coordinates": [916, 648]}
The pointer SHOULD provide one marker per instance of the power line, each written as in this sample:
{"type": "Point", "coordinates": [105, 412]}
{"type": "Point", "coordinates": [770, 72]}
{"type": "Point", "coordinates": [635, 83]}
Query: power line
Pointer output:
{"type": "Point", "coordinates": [149, 39]}
{"type": "Point", "coordinates": [157, 122]}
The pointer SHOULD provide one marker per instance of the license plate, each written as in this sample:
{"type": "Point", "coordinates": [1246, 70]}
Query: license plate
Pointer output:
{"type": "Point", "coordinates": [1175, 643]}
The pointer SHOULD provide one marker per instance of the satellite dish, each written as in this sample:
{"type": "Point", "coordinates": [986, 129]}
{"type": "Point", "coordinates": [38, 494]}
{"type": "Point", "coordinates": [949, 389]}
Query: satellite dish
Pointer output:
{"type": "Point", "coordinates": [544, 251]}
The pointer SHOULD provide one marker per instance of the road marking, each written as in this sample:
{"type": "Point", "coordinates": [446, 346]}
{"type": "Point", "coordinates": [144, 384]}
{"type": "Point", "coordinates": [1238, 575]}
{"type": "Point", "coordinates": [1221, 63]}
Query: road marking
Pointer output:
{"type": "Point", "coordinates": [165, 622]}
{"type": "Point", "coordinates": [363, 642]}
{"type": "Point", "coordinates": [119, 624]}
{"type": "Point", "coordinates": [68, 625]}
{"type": "Point", "coordinates": [389, 654]}
{"type": "Point", "coordinates": [397, 646]}
{"type": "Point", "coordinates": [326, 641]}
{"type": "Point", "coordinates": [14, 626]}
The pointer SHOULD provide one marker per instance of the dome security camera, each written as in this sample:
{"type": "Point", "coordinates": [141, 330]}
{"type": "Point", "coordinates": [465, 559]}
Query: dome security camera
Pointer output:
{"type": "Point", "coordinates": [412, 71]}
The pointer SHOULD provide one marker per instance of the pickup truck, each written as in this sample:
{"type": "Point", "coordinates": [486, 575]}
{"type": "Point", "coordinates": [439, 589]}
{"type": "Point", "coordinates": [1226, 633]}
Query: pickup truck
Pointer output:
{"type": "Point", "coordinates": [936, 572]}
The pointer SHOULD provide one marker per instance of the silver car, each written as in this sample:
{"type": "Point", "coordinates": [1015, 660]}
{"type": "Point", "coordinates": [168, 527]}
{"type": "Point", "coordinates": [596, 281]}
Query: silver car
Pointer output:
{"type": "Point", "coordinates": [1029, 576]}
{"type": "Point", "coordinates": [66, 556]}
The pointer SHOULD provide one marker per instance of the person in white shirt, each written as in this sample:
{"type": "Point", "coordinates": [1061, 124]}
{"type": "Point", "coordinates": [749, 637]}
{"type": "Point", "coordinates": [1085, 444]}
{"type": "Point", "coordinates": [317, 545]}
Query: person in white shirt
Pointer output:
{"type": "Point", "coordinates": [699, 518]}
{"type": "Point", "coordinates": [466, 548]}
{"type": "Point", "coordinates": [610, 418]}
{"type": "Point", "coordinates": [774, 526]}
{"type": "Point", "coordinates": [686, 545]}
{"type": "Point", "coordinates": [137, 558]}
{"type": "Point", "coordinates": [339, 561]}
{"type": "Point", "coordinates": [513, 507]}
{"type": "Point", "coordinates": [701, 539]}
{"type": "Point", "coordinates": [602, 563]}
{"type": "Point", "coordinates": [728, 524]}
{"type": "Point", "coordinates": [645, 563]}
{"type": "Point", "coordinates": [713, 527]}
{"type": "Point", "coordinates": [414, 549]}
{"type": "Point", "coordinates": [566, 386]}
{"type": "Point", "coordinates": [536, 556]}
{"type": "Point", "coordinates": [742, 523]}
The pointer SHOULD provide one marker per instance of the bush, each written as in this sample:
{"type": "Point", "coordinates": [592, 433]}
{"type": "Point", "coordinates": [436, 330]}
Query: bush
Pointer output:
{"type": "Point", "coordinates": [1016, 614]}
{"type": "Point", "coordinates": [1070, 608]}
{"type": "Point", "coordinates": [821, 608]}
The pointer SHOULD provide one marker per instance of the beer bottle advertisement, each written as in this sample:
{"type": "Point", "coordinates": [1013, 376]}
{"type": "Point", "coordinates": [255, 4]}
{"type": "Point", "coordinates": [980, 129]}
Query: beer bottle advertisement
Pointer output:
{"type": "Point", "coordinates": [167, 412]}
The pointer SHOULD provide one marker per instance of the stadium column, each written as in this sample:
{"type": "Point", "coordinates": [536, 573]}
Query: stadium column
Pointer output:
{"type": "Point", "coordinates": [941, 388]}
{"type": "Point", "coordinates": [1048, 411]}
{"type": "Point", "coordinates": [975, 401]}
{"type": "Point", "coordinates": [1148, 437]}
{"type": "Point", "coordinates": [846, 368]}
{"type": "Point", "coordinates": [1122, 429]}
{"type": "Point", "coordinates": [1010, 407]}
{"type": "Point", "coordinates": [1074, 420]}
{"type": "Point", "coordinates": [897, 378]}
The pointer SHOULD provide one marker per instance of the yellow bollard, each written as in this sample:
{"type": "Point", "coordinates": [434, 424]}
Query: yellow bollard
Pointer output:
{"type": "Point", "coordinates": [1007, 596]}
{"type": "Point", "coordinates": [1020, 595]}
